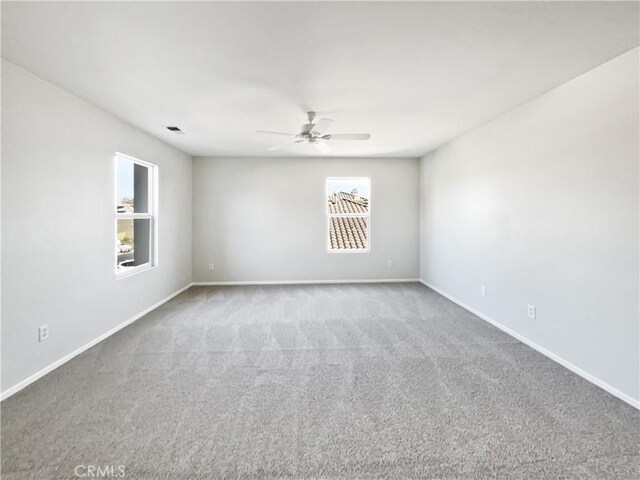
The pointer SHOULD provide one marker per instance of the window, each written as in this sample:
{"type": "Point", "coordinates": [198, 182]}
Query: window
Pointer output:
{"type": "Point", "coordinates": [135, 215]}
{"type": "Point", "coordinates": [348, 210]}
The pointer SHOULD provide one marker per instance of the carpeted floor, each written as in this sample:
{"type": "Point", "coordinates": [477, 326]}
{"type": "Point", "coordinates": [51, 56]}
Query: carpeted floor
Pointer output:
{"type": "Point", "coordinates": [316, 381]}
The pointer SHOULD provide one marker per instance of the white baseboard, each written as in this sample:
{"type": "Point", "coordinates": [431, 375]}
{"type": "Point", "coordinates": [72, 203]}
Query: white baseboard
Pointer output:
{"type": "Point", "coordinates": [20, 385]}
{"type": "Point", "coordinates": [305, 282]}
{"type": "Point", "coordinates": [556, 358]}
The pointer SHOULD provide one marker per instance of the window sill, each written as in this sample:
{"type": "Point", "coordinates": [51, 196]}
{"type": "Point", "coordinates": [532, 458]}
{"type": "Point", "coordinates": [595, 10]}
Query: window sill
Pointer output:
{"type": "Point", "coordinates": [348, 250]}
{"type": "Point", "coordinates": [134, 271]}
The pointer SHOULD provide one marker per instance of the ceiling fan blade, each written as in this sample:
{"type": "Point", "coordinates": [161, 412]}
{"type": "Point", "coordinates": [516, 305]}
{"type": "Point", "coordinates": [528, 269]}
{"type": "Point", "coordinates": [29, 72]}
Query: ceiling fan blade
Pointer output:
{"type": "Point", "coordinates": [323, 125]}
{"type": "Point", "coordinates": [277, 133]}
{"type": "Point", "coordinates": [348, 136]}
{"type": "Point", "coordinates": [323, 147]}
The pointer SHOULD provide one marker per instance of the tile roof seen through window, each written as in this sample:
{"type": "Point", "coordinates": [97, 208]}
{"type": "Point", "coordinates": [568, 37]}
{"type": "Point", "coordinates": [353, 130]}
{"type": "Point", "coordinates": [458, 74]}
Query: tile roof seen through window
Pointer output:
{"type": "Point", "coordinates": [342, 202]}
{"type": "Point", "coordinates": [346, 233]}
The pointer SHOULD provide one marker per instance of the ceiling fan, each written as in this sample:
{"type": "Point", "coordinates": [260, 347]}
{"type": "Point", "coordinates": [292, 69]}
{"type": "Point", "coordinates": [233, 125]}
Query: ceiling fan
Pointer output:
{"type": "Point", "coordinates": [316, 134]}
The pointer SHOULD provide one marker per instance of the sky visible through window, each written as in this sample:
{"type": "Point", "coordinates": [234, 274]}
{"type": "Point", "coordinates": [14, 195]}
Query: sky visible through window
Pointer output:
{"type": "Point", "coordinates": [125, 179]}
{"type": "Point", "coordinates": [347, 185]}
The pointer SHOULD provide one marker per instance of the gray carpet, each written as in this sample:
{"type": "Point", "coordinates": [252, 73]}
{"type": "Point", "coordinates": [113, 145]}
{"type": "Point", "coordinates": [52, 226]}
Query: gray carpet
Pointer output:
{"type": "Point", "coordinates": [317, 381]}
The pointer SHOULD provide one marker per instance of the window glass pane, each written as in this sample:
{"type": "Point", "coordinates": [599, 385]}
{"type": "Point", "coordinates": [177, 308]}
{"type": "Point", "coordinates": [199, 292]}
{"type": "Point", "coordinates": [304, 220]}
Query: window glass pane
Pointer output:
{"type": "Point", "coordinates": [133, 242]}
{"type": "Point", "coordinates": [132, 187]}
{"type": "Point", "coordinates": [348, 233]}
{"type": "Point", "coordinates": [142, 233]}
{"type": "Point", "coordinates": [141, 188]}
{"type": "Point", "coordinates": [348, 195]}
{"type": "Point", "coordinates": [124, 181]}
{"type": "Point", "coordinates": [124, 244]}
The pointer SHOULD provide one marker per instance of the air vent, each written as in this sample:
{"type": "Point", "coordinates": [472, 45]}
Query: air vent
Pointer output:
{"type": "Point", "coordinates": [174, 129]}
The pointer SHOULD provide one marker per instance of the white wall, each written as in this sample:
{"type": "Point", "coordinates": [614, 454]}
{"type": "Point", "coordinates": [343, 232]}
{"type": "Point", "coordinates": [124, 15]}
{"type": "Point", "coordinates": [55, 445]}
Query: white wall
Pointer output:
{"type": "Point", "coordinates": [58, 223]}
{"type": "Point", "coordinates": [260, 219]}
{"type": "Point", "coordinates": [541, 205]}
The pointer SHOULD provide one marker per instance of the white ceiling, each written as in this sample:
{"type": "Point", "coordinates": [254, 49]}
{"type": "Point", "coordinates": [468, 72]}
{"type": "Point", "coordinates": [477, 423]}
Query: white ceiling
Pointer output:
{"type": "Point", "coordinates": [414, 75]}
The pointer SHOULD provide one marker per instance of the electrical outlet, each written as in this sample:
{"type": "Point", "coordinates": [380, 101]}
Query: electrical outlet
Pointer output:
{"type": "Point", "coordinates": [43, 333]}
{"type": "Point", "coordinates": [211, 266]}
{"type": "Point", "coordinates": [483, 291]}
{"type": "Point", "coordinates": [390, 263]}
{"type": "Point", "coordinates": [531, 311]}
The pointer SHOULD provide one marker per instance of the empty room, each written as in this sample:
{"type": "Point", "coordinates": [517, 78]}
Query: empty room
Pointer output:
{"type": "Point", "coordinates": [320, 240]}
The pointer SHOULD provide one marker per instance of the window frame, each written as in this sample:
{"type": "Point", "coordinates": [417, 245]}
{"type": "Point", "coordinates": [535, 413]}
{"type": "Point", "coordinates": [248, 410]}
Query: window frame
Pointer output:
{"type": "Point", "coordinates": [151, 215]}
{"type": "Point", "coordinates": [329, 215]}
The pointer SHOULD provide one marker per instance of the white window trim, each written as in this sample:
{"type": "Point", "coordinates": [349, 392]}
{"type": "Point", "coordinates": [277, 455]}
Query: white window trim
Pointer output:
{"type": "Point", "coordinates": [363, 215]}
{"type": "Point", "coordinates": [152, 216]}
